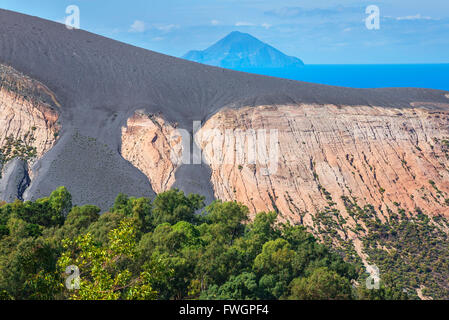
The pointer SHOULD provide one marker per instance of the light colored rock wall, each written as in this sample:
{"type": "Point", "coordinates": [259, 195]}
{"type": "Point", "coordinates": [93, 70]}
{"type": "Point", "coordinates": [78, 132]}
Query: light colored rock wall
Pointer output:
{"type": "Point", "coordinates": [380, 156]}
{"type": "Point", "coordinates": [20, 117]}
{"type": "Point", "coordinates": [147, 142]}
{"type": "Point", "coordinates": [28, 112]}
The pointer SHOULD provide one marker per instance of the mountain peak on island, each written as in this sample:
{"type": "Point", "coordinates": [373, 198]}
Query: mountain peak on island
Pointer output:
{"type": "Point", "coordinates": [240, 50]}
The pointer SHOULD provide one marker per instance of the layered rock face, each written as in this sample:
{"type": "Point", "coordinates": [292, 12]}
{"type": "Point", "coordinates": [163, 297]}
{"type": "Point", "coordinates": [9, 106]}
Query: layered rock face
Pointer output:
{"type": "Point", "coordinates": [297, 159]}
{"type": "Point", "coordinates": [28, 118]}
{"type": "Point", "coordinates": [152, 145]}
{"type": "Point", "coordinates": [28, 111]}
{"type": "Point", "coordinates": [380, 156]}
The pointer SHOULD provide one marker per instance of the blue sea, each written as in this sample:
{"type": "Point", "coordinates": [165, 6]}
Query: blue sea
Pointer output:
{"type": "Point", "coordinates": [433, 76]}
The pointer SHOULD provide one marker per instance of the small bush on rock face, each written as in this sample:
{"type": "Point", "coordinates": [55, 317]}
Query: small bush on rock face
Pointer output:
{"type": "Point", "coordinates": [21, 148]}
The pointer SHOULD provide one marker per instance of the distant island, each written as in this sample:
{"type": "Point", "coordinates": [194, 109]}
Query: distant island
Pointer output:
{"type": "Point", "coordinates": [243, 51]}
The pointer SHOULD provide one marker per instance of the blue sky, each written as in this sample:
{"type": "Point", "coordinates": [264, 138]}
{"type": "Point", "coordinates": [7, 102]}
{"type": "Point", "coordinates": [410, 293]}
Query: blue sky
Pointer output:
{"type": "Point", "coordinates": [317, 31]}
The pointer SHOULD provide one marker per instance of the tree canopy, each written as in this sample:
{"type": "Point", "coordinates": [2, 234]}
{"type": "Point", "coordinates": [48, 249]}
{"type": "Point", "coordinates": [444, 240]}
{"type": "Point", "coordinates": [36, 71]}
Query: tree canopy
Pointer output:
{"type": "Point", "coordinates": [171, 247]}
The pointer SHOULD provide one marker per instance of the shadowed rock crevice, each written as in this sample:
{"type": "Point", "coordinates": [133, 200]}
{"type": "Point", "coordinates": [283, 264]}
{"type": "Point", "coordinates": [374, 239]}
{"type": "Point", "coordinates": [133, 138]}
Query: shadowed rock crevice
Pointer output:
{"type": "Point", "coordinates": [15, 180]}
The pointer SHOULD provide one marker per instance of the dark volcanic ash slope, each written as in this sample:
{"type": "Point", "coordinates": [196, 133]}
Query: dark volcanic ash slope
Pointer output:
{"type": "Point", "coordinates": [100, 83]}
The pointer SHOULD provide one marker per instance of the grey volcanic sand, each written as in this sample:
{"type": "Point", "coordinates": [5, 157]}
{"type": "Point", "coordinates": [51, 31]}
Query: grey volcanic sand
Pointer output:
{"type": "Point", "coordinates": [101, 82]}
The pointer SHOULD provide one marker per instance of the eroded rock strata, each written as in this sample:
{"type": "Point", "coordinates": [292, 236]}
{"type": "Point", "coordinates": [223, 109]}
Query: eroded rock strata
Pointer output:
{"type": "Point", "coordinates": [152, 145]}
{"type": "Point", "coordinates": [380, 156]}
{"type": "Point", "coordinates": [28, 119]}
{"type": "Point", "coordinates": [321, 153]}
{"type": "Point", "coordinates": [28, 111]}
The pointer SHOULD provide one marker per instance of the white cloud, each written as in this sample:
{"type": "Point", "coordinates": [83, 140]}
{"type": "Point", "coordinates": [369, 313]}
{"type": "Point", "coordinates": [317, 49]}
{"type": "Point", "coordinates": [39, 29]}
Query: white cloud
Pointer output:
{"type": "Point", "coordinates": [214, 22]}
{"type": "Point", "coordinates": [250, 24]}
{"type": "Point", "coordinates": [167, 28]}
{"type": "Point", "coordinates": [244, 24]}
{"type": "Point", "coordinates": [266, 25]}
{"type": "Point", "coordinates": [415, 17]}
{"type": "Point", "coordinates": [138, 26]}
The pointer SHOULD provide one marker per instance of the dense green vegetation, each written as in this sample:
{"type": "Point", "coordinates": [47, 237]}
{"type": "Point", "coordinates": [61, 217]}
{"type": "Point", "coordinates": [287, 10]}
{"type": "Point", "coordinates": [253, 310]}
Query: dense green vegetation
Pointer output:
{"type": "Point", "coordinates": [164, 249]}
